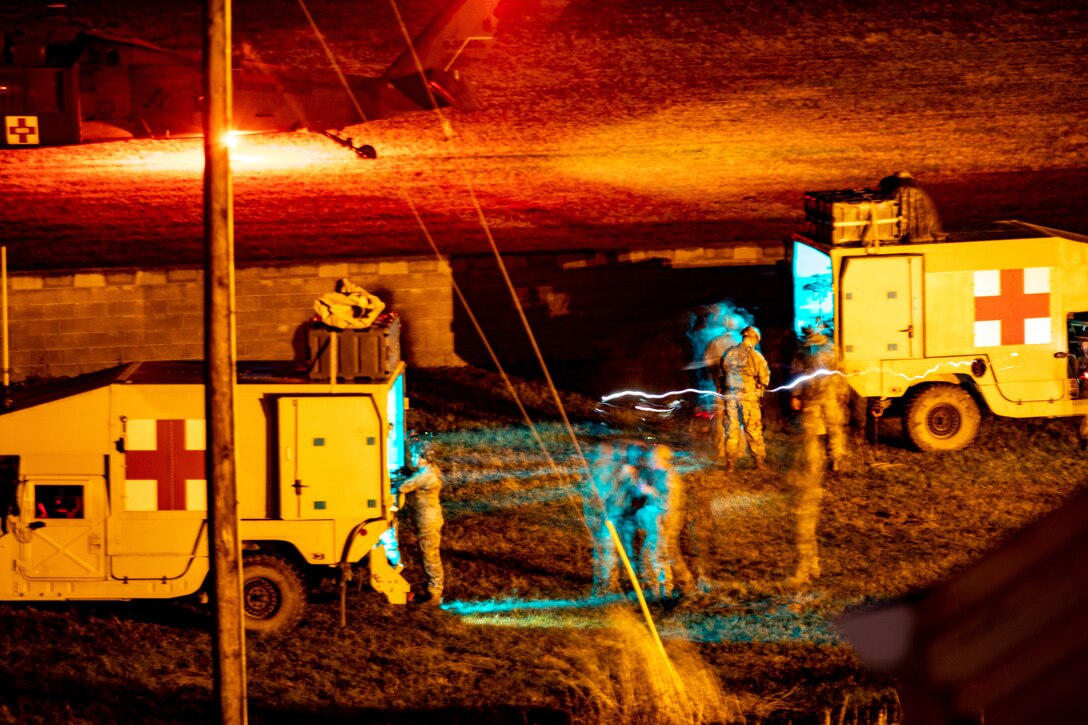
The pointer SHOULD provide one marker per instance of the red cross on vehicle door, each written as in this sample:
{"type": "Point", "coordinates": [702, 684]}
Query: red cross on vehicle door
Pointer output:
{"type": "Point", "coordinates": [1012, 307]}
{"type": "Point", "coordinates": [21, 130]}
{"type": "Point", "coordinates": [165, 465]}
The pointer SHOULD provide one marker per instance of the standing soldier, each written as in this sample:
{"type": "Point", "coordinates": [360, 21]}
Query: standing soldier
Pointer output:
{"type": "Point", "coordinates": [426, 483]}
{"type": "Point", "coordinates": [603, 499]}
{"type": "Point", "coordinates": [745, 375]}
{"type": "Point", "coordinates": [662, 519]}
{"type": "Point", "coordinates": [821, 399]}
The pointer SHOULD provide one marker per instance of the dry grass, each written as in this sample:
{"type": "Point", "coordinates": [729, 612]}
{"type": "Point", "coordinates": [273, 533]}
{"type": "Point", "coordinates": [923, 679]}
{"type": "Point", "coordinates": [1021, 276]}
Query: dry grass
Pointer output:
{"type": "Point", "coordinates": [520, 640]}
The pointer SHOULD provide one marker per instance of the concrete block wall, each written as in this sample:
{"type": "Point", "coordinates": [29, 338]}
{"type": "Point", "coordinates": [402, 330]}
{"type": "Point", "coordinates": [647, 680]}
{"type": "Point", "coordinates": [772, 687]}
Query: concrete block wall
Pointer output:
{"type": "Point", "coordinates": [584, 305]}
{"type": "Point", "coordinates": [67, 323]}
{"type": "Point", "coordinates": [63, 324]}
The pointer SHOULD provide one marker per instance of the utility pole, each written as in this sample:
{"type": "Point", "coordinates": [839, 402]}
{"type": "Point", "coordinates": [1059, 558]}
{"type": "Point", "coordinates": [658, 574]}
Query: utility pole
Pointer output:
{"type": "Point", "coordinates": [228, 642]}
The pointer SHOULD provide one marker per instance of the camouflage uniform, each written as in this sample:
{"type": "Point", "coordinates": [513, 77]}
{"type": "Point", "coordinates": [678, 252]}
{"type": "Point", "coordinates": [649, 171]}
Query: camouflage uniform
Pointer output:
{"type": "Point", "coordinates": [628, 499]}
{"type": "Point", "coordinates": [426, 484]}
{"type": "Point", "coordinates": [920, 222]}
{"type": "Point", "coordinates": [746, 375]}
{"type": "Point", "coordinates": [821, 400]}
{"type": "Point", "coordinates": [714, 352]}
{"type": "Point", "coordinates": [808, 493]}
{"type": "Point", "coordinates": [662, 520]}
{"type": "Point", "coordinates": [602, 501]}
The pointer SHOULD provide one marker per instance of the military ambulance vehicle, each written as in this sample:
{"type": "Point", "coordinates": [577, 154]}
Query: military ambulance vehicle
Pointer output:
{"type": "Point", "coordinates": [991, 320]}
{"type": "Point", "coordinates": [103, 493]}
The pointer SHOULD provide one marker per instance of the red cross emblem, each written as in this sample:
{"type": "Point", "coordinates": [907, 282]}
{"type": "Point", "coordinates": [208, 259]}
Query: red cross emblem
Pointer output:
{"type": "Point", "coordinates": [170, 464]}
{"type": "Point", "coordinates": [21, 130]}
{"type": "Point", "coordinates": [1012, 307]}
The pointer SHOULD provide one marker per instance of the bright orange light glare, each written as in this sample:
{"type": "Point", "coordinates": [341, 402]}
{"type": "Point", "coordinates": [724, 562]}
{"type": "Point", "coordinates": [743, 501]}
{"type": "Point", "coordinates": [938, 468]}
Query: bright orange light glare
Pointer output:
{"type": "Point", "coordinates": [249, 153]}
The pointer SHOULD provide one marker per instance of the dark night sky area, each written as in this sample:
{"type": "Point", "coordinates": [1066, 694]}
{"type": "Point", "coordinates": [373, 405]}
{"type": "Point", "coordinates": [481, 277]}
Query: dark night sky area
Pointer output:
{"type": "Point", "coordinates": [606, 124]}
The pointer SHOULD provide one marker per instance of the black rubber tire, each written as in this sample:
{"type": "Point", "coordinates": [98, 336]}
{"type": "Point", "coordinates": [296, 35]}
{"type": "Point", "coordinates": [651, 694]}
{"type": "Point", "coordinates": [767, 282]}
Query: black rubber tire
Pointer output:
{"type": "Point", "coordinates": [273, 595]}
{"type": "Point", "coordinates": [941, 417]}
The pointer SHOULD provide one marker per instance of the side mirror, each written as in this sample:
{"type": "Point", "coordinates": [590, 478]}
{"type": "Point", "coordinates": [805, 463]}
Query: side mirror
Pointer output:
{"type": "Point", "coordinates": [35, 525]}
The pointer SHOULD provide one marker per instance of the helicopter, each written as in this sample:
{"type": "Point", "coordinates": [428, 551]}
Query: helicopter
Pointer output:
{"type": "Point", "coordinates": [63, 81]}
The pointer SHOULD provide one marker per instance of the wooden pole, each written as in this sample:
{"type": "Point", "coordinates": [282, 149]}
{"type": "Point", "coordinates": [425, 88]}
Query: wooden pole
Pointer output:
{"type": "Point", "coordinates": [228, 643]}
{"type": "Point", "coordinates": [642, 602]}
{"type": "Point", "coordinates": [4, 322]}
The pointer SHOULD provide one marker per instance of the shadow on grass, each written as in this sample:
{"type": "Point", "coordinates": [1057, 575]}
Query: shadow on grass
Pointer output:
{"type": "Point", "coordinates": [32, 699]}
{"type": "Point", "coordinates": [448, 715]}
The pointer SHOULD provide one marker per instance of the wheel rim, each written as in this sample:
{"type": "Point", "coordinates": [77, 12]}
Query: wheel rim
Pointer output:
{"type": "Point", "coordinates": [262, 598]}
{"type": "Point", "coordinates": [943, 421]}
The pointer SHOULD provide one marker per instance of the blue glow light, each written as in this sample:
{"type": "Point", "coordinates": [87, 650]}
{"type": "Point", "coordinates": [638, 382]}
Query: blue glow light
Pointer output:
{"type": "Point", "coordinates": [773, 621]}
{"type": "Point", "coordinates": [496, 606]}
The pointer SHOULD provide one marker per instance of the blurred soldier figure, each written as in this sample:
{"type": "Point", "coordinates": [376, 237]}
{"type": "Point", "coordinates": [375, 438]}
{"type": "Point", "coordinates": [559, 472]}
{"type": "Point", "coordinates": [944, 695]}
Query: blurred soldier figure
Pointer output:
{"type": "Point", "coordinates": [920, 222]}
{"type": "Point", "coordinates": [349, 307]}
{"type": "Point", "coordinates": [426, 485]}
{"type": "Point", "coordinates": [821, 399]}
{"type": "Point", "coordinates": [661, 520]}
{"type": "Point", "coordinates": [628, 499]}
{"type": "Point", "coordinates": [714, 351]}
{"type": "Point", "coordinates": [745, 375]}
{"type": "Point", "coordinates": [603, 499]}
{"type": "Point", "coordinates": [808, 492]}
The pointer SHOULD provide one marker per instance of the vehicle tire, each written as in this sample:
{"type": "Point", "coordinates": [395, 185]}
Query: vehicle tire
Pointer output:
{"type": "Point", "coordinates": [941, 417]}
{"type": "Point", "coordinates": [273, 595]}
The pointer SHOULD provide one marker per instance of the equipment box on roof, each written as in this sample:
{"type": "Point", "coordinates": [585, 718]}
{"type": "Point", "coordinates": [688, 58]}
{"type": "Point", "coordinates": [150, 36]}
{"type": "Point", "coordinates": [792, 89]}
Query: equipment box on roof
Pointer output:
{"type": "Point", "coordinates": [367, 354]}
{"type": "Point", "coordinates": [851, 215]}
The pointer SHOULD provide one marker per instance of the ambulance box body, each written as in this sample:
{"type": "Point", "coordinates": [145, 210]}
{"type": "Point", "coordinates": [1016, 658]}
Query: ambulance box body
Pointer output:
{"type": "Point", "coordinates": [104, 491]}
{"type": "Point", "coordinates": [996, 319]}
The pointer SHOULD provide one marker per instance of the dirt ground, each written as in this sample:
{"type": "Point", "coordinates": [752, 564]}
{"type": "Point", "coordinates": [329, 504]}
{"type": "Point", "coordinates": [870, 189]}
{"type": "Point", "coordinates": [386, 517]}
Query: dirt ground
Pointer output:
{"type": "Point", "coordinates": [605, 124]}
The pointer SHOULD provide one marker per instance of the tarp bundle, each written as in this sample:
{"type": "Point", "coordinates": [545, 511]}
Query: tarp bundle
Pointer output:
{"type": "Point", "coordinates": [349, 307]}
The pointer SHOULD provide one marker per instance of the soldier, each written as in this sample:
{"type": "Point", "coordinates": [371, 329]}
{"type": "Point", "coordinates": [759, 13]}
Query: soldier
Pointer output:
{"type": "Point", "coordinates": [713, 334]}
{"type": "Point", "coordinates": [821, 399]}
{"type": "Point", "coordinates": [628, 499]}
{"type": "Point", "coordinates": [808, 493]}
{"type": "Point", "coordinates": [426, 483]}
{"type": "Point", "coordinates": [602, 496]}
{"type": "Point", "coordinates": [920, 222]}
{"type": "Point", "coordinates": [745, 375]}
{"type": "Point", "coordinates": [661, 520]}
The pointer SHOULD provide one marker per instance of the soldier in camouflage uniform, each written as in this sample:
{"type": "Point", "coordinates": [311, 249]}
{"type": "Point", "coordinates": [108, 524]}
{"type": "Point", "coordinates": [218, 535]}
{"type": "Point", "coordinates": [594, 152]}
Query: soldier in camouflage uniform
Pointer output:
{"type": "Point", "coordinates": [745, 375]}
{"type": "Point", "coordinates": [920, 222]}
{"type": "Point", "coordinates": [808, 493]}
{"type": "Point", "coordinates": [821, 399]}
{"type": "Point", "coordinates": [426, 485]}
{"type": "Point", "coordinates": [604, 499]}
{"type": "Point", "coordinates": [662, 519]}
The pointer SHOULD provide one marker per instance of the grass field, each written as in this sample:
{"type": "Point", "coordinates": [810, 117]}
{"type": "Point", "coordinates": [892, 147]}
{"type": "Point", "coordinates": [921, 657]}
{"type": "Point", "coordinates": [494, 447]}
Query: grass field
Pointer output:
{"type": "Point", "coordinates": [519, 640]}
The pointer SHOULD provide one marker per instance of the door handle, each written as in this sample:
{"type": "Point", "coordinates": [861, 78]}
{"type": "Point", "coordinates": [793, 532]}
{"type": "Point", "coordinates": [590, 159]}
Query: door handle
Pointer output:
{"type": "Point", "coordinates": [909, 329]}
